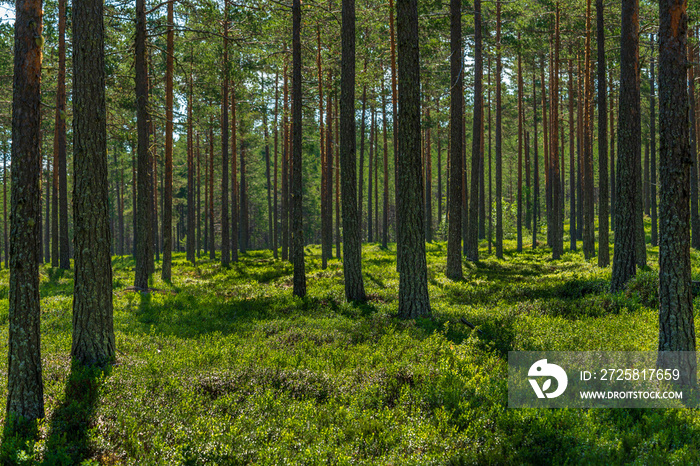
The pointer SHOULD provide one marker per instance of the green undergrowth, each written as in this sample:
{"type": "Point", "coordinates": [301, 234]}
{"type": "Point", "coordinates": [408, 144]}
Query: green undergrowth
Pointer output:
{"type": "Point", "coordinates": [225, 366]}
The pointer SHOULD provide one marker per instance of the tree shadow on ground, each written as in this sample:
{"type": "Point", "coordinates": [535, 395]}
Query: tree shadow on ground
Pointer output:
{"type": "Point", "coordinates": [69, 439]}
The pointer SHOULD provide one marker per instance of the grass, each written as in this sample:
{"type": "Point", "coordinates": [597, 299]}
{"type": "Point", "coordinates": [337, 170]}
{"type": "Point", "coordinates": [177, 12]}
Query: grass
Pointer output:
{"type": "Point", "coordinates": [227, 367]}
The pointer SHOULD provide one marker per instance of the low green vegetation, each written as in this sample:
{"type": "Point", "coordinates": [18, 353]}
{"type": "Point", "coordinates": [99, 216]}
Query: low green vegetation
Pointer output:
{"type": "Point", "coordinates": [226, 367]}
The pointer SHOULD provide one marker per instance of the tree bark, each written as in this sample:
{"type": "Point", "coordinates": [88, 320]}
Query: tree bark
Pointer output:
{"type": "Point", "coordinates": [413, 272]}
{"type": "Point", "coordinates": [603, 217]}
{"type": "Point", "coordinates": [352, 247]}
{"type": "Point", "coordinates": [572, 161]}
{"type": "Point", "coordinates": [628, 146]}
{"type": "Point", "coordinates": [24, 384]}
{"type": "Point", "coordinates": [93, 330]}
{"type": "Point", "coordinates": [144, 246]}
{"type": "Point", "coordinates": [694, 213]}
{"type": "Point", "coordinates": [652, 131]}
{"type": "Point", "coordinates": [454, 214]}
{"type": "Point", "coordinates": [472, 246]}
{"type": "Point", "coordinates": [588, 194]}
{"type": "Point", "coordinates": [225, 229]}
{"type": "Point", "coordinates": [499, 153]}
{"type": "Point", "coordinates": [166, 271]}
{"type": "Point", "coordinates": [297, 243]}
{"type": "Point", "coordinates": [676, 322]}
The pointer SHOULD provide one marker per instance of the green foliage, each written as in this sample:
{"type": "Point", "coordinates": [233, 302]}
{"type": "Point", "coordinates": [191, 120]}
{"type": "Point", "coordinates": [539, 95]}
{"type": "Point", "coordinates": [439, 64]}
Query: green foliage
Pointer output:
{"type": "Point", "coordinates": [225, 366]}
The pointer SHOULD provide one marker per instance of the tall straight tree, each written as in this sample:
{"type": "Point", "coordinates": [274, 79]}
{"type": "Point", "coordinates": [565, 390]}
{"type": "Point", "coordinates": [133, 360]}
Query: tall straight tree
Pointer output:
{"type": "Point", "coordinates": [676, 321]}
{"type": "Point", "coordinates": [59, 165]}
{"type": "Point", "coordinates": [499, 142]}
{"type": "Point", "coordinates": [326, 221]}
{"type": "Point", "coordinates": [519, 200]}
{"type": "Point", "coordinates": [572, 160]}
{"type": "Point", "coordinates": [297, 243]}
{"type": "Point", "coordinates": [93, 330]}
{"type": "Point", "coordinates": [385, 211]}
{"type": "Point", "coordinates": [166, 271]}
{"type": "Point", "coordinates": [234, 184]}
{"type": "Point", "coordinates": [454, 210]}
{"type": "Point", "coordinates": [25, 397]}
{"type": "Point", "coordinates": [628, 148]}
{"type": "Point", "coordinates": [587, 149]}
{"type": "Point", "coordinates": [144, 245]}
{"type": "Point", "coordinates": [225, 230]}
{"type": "Point", "coordinates": [652, 137]}
{"type": "Point", "coordinates": [352, 247]}
{"type": "Point", "coordinates": [603, 228]}
{"type": "Point", "coordinates": [472, 246]}
{"type": "Point", "coordinates": [192, 237]}
{"type": "Point", "coordinates": [413, 273]}
{"type": "Point", "coordinates": [694, 213]}
{"type": "Point", "coordinates": [555, 178]}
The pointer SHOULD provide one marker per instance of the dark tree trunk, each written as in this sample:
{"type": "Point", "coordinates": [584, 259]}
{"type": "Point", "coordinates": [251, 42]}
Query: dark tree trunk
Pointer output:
{"type": "Point", "coordinates": [274, 187]}
{"type": "Point", "coordinates": [385, 212]}
{"type": "Point", "coordinates": [603, 218]}
{"type": "Point", "coordinates": [24, 384]}
{"type": "Point", "coordinates": [647, 191]}
{"type": "Point", "coordinates": [572, 161]}
{"type": "Point", "coordinates": [225, 230]}
{"type": "Point", "coordinates": [234, 183]}
{"type": "Point", "coordinates": [338, 237]}
{"type": "Point", "coordinates": [413, 272]}
{"type": "Point", "coordinates": [652, 132]}
{"type": "Point", "coordinates": [326, 245]}
{"type": "Point", "coordinates": [352, 247]}
{"type": "Point", "coordinates": [243, 189]}
{"type": "Point", "coordinates": [454, 213]}
{"type": "Point", "coordinates": [519, 200]}
{"type": "Point", "coordinates": [93, 332]}
{"type": "Point", "coordinates": [60, 149]}
{"type": "Point", "coordinates": [370, 174]}
{"type": "Point", "coordinates": [536, 175]}
{"type": "Point", "coordinates": [676, 322]}
{"type": "Point", "coordinates": [472, 244]}
{"type": "Point", "coordinates": [329, 167]}
{"type": "Point", "coordinates": [588, 194]}
{"type": "Point", "coordinates": [192, 237]}
{"type": "Point", "coordinates": [199, 200]}
{"type": "Point", "coordinates": [694, 213]}
{"type": "Point", "coordinates": [267, 177]}
{"type": "Point", "coordinates": [490, 208]}
{"type": "Point", "coordinates": [613, 189]}
{"type": "Point", "coordinates": [144, 245]}
{"type": "Point", "coordinates": [555, 178]}
{"type": "Point", "coordinates": [166, 271]}
{"type": "Point", "coordinates": [628, 148]}
{"type": "Point", "coordinates": [212, 232]}
{"type": "Point", "coordinates": [361, 177]}
{"type": "Point", "coordinates": [297, 243]}
{"type": "Point", "coordinates": [47, 223]}
{"type": "Point", "coordinates": [499, 153]}
{"type": "Point", "coordinates": [285, 170]}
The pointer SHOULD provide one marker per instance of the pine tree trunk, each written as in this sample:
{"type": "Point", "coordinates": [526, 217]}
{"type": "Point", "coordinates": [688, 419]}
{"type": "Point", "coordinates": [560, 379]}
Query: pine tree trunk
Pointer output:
{"type": "Point", "coordinates": [587, 166]}
{"type": "Point", "coordinates": [234, 183]}
{"type": "Point", "coordinates": [613, 189]}
{"type": "Point", "coordinates": [394, 119]}
{"type": "Point", "coordinates": [499, 153]}
{"type": "Point", "coordinates": [652, 132]}
{"type": "Point", "coordinates": [144, 246]}
{"type": "Point", "coordinates": [454, 213]}
{"type": "Point", "coordinates": [413, 277]}
{"type": "Point", "coordinates": [603, 218]}
{"type": "Point", "coordinates": [628, 146]}
{"type": "Point", "coordinates": [694, 213]}
{"type": "Point", "coordinates": [428, 183]}
{"type": "Point", "coordinates": [93, 332]}
{"type": "Point", "coordinates": [329, 166]}
{"type": "Point", "coordinates": [472, 243]}
{"type": "Point", "coordinates": [676, 322]}
{"type": "Point", "coordinates": [274, 185]}
{"type": "Point", "coordinates": [297, 226]}
{"type": "Point", "coordinates": [325, 226]}
{"type": "Point", "coordinates": [212, 232]}
{"type": "Point", "coordinates": [267, 177]}
{"type": "Point", "coordinates": [519, 200]}
{"type": "Point", "coordinates": [225, 229]}
{"type": "Point", "coordinates": [536, 175]}
{"type": "Point", "coordinates": [572, 161]}
{"type": "Point", "coordinates": [338, 237]}
{"type": "Point", "coordinates": [166, 272]}
{"type": "Point", "coordinates": [59, 144]}
{"type": "Point", "coordinates": [361, 166]}
{"type": "Point", "coordinates": [370, 174]}
{"type": "Point", "coordinates": [385, 212]}
{"type": "Point", "coordinates": [352, 237]}
{"type": "Point", "coordinates": [555, 181]}
{"type": "Point", "coordinates": [25, 386]}
{"type": "Point", "coordinates": [192, 240]}
{"type": "Point", "coordinates": [285, 170]}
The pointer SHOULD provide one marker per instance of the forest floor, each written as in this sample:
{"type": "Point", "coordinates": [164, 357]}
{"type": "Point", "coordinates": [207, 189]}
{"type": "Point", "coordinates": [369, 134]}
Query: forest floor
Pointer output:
{"type": "Point", "coordinates": [227, 367]}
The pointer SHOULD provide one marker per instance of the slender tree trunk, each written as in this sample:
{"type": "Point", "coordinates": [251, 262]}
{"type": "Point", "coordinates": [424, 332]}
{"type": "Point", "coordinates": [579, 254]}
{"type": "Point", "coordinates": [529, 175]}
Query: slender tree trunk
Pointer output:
{"type": "Point", "coordinates": [536, 175]}
{"type": "Point", "coordinates": [603, 229]}
{"type": "Point", "coordinates": [472, 244]}
{"type": "Point", "coordinates": [206, 196]}
{"type": "Point", "coordinates": [454, 214]}
{"type": "Point", "coordinates": [394, 119]}
{"type": "Point", "coordinates": [285, 170]}
{"type": "Point", "coordinates": [59, 140]}
{"type": "Point", "coordinates": [628, 145]}
{"type": "Point", "coordinates": [144, 246]}
{"type": "Point", "coordinates": [274, 197]}
{"type": "Point", "coordinates": [385, 213]}
{"type": "Point", "coordinates": [370, 174]}
{"type": "Point", "coordinates": [338, 237]}
{"type": "Point", "coordinates": [199, 201]}
{"type": "Point", "coordinates": [352, 247]}
{"type": "Point", "coordinates": [613, 189]}
{"type": "Point", "coordinates": [413, 272]}
{"type": "Point", "coordinates": [25, 387]}
{"type": "Point", "coordinates": [225, 239]}
{"type": "Point", "coordinates": [166, 272]}
{"type": "Point", "coordinates": [47, 223]}
{"type": "Point", "coordinates": [555, 181]}
{"type": "Point", "coordinates": [572, 161]}
{"type": "Point", "coordinates": [361, 178]}
{"type": "Point", "coordinates": [212, 232]}
{"type": "Point", "coordinates": [652, 131]}
{"type": "Point", "coordinates": [192, 240]}
{"type": "Point", "coordinates": [519, 214]}
{"type": "Point", "coordinates": [428, 182]}
{"type": "Point", "coordinates": [545, 151]}
{"type": "Point", "coordinates": [297, 246]}
{"type": "Point", "coordinates": [499, 153]}
{"type": "Point", "coordinates": [588, 195]}
{"type": "Point", "coordinates": [243, 188]}
{"type": "Point", "coordinates": [676, 322]}
{"type": "Point", "coordinates": [579, 150]}
{"type": "Point", "coordinates": [268, 178]}
{"type": "Point", "coordinates": [326, 246]}
{"type": "Point", "coordinates": [93, 331]}
{"type": "Point", "coordinates": [234, 182]}
{"type": "Point", "coordinates": [329, 166]}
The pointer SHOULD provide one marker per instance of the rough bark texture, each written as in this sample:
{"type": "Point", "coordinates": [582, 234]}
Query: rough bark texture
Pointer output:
{"type": "Point", "coordinates": [352, 247]}
{"type": "Point", "coordinates": [93, 332]}
{"type": "Point", "coordinates": [284, 204]}
{"type": "Point", "coordinates": [603, 227]}
{"type": "Point", "coordinates": [275, 219]}
{"type": "Point", "coordinates": [572, 161]}
{"type": "Point", "coordinates": [454, 211]}
{"type": "Point", "coordinates": [628, 149]}
{"type": "Point", "coordinates": [613, 141]}
{"type": "Point", "coordinates": [144, 246]}
{"type": "Point", "coordinates": [587, 149]}
{"type": "Point", "coordinates": [676, 322]}
{"type": "Point", "coordinates": [24, 384]}
{"type": "Point", "coordinates": [413, 273]}
{"type": "Point", "coordinates": [329, 167]}
{"type": "Point", "coordinates": [60, 146]}
{"type": "Point", "coordinates": [234, 183]}
{"type": "Point", "coordinates": [694, 213]}
{"type": "Point", "coordinates": [499, 154]}
{"type": "Point", "coordinates": [536, 163]}
{"type": "Point", "coordinates": [225, 230]}
{"type": "Point", "coordinates": [297, 243]}
{"type": "Point", "coordinates": [652, 156]}
{"type": "Point", "coordinates": [166, 271]}
{"type": "Point", "coordinates": [472, 246]}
